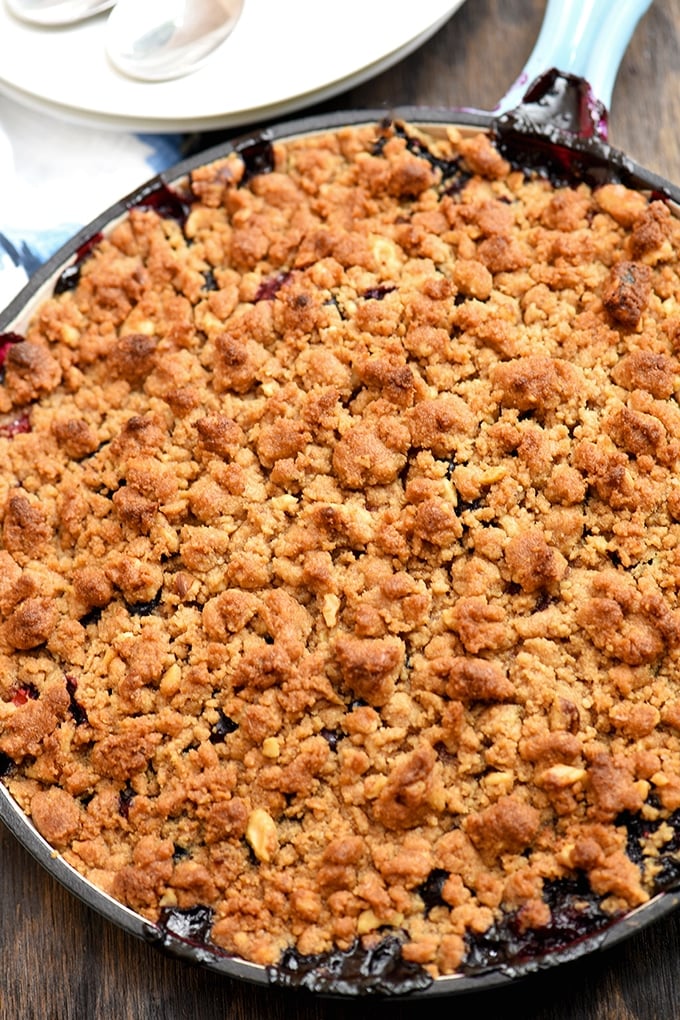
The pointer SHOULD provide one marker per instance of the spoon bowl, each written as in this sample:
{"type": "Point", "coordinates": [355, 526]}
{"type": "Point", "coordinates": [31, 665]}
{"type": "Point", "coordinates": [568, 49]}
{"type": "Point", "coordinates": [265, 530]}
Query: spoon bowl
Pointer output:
{"type": "Point", "coordinates": [162, 39]}
{"type": "Point", "coordinates": [57, 12]}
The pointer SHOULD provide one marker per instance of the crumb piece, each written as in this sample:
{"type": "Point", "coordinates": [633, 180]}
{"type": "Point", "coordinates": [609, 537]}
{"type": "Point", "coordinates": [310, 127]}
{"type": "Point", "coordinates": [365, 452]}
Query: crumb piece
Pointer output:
{"type": "Point", "coordinates": [626, 292]}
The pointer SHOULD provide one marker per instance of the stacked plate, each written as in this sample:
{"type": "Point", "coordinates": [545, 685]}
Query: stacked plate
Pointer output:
{"type": "Point", "coordinates": [280, 57]}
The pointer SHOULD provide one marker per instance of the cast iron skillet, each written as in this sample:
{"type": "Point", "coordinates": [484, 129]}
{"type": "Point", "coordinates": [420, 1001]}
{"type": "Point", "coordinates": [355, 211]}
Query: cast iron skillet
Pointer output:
{"type": "Point", "coordinates": [554, 120]}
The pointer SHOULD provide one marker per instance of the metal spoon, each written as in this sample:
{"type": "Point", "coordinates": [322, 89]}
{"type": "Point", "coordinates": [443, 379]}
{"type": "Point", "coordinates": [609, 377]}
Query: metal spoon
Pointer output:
{"type": "Point", "coordinates": [56, 12]}
{"type": "Point", "coordinates": [161, 39]}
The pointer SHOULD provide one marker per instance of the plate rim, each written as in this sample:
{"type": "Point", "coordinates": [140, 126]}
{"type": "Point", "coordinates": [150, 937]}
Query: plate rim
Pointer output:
{"type": "Point", "coordinates": [130, 120]}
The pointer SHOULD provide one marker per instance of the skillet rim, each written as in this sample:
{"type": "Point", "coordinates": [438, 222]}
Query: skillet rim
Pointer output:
{"type": "Point", "coordinates": [11, 814]}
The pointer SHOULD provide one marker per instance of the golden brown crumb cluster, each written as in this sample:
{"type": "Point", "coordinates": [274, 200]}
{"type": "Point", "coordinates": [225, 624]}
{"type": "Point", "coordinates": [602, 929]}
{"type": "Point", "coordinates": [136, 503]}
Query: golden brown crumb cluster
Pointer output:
{"type": "Point", "coordinates": [344, 547]}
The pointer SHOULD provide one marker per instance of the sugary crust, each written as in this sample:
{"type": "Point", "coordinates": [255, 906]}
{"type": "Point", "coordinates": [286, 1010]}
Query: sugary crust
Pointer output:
{"type": "Point", "coordinates": [344, 546]}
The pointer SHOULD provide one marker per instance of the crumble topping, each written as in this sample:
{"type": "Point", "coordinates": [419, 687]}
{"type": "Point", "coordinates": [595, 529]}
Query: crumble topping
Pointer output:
{"type": "Point", "coordinates": [340, 549]}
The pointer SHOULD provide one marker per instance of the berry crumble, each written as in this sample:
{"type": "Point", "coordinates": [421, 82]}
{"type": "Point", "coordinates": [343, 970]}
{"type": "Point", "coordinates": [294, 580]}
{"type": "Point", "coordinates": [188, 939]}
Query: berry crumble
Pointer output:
{"type": "Point", "coordinates": [340, 554]}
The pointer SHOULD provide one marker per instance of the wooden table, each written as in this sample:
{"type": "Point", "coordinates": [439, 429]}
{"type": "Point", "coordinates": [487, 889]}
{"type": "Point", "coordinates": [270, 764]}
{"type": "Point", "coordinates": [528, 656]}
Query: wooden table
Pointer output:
{"type": "Point", "coordinates": [61, 961]}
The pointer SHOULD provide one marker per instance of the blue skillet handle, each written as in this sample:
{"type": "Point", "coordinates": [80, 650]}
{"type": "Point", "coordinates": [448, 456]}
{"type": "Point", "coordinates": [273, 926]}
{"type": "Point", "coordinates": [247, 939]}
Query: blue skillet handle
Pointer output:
{"type": "Point", "coordinates": [585, 38]}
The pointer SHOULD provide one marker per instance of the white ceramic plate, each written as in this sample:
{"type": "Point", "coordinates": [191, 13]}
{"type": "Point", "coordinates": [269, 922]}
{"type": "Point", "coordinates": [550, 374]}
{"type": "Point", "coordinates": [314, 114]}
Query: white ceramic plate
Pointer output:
{"type": "Point", "coordinates": [280, 57]}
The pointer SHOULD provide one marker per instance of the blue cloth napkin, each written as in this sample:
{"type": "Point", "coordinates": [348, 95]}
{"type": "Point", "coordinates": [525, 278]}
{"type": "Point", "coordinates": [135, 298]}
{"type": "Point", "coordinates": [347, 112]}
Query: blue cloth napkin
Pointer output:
{"type": "Point", "coordinates": [56, 176]}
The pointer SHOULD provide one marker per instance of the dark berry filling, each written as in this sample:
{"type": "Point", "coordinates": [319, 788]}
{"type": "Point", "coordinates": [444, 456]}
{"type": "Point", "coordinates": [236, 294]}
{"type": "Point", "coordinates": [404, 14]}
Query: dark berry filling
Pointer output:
{"type": "Point", "coordinates": [575, 912]}
{"type": "Point", "coordinates": [6, 341]}
{"type": "Point", "coordinates": [25, 693]}
{"type": "Point", "coordinates": [144, 608]}
{"type": "Point", "coordinates": [92, 616]}
{"type": "Point", "coordinates": [558, 132]}
{"type": "Point", "coordinates": [124, 800]}
{"type": "Point", "coordinates": [210, 281]}
{"type": "Point", "coordinates": [665, 859]}
{"type": "Point", "coordinates": [222, 728]}
{"type": "Point", "coordinates": [470, 506]}
{"type": "Point", "coordinates": [332, 300]}
{"type": "Point", "coordinates": [359, 970]}
{"type": "Point", "coordinates": [76, 709]}
{"type": "Point", "coordinates": [378, 293]}
{"type": "Point", "coordinates": [333, 737]}
{"type": "Point", "coordinates": [431, 889]}
{"type": "Point", "coordinates": [258, 158]}
{"type": "Point", "coordinates": [443, 754]}
{"type": "Point", "coordinates": [454, 175]}
{"type": "Point", "coordinates": [191, 925]}
{"type": "Point", "coordinates": [167, 202]}
{"type": "Point", "coordinates": [543, 601]}
{"type": "Point", "coordinates": [9, 429]}
{"type": "Point", "coordinates": [70, 277]}
{"type": "Point", "coordinates": [668, 875]}
{"type": "Point", "coordinates": [268, 289]}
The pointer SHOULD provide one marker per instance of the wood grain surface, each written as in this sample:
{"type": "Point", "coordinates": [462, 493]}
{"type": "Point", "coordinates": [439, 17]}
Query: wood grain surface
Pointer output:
{"type": "Point", "coordinates": [60, 960]}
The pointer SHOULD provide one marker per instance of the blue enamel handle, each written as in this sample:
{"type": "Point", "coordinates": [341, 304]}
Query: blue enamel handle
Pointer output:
{"type": "Point", "coordinates": [586, 38]}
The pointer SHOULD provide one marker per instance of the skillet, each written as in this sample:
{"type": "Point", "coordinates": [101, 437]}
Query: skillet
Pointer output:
{"type": "Point", "coordinates": [553, 120]}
